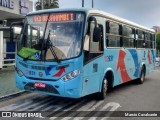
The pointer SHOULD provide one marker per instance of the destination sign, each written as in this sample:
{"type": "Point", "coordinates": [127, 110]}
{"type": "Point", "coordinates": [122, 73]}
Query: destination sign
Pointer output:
{"type": "Point", "coordinates": [54, 17]}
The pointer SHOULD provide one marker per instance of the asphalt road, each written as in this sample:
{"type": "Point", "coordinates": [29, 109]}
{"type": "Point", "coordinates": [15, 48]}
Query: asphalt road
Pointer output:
{"type": "Point", "coordinates": [129, 97]}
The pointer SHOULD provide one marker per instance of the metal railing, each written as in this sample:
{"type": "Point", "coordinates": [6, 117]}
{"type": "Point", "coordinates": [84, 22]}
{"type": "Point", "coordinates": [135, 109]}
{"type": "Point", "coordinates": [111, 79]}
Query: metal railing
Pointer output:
{"type": "Point", "coordinates": [7, 61]}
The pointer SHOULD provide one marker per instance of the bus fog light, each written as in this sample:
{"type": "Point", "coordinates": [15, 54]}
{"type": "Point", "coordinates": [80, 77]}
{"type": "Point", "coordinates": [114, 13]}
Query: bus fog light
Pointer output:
{"type": "Point", "coordinates": [71, 75]}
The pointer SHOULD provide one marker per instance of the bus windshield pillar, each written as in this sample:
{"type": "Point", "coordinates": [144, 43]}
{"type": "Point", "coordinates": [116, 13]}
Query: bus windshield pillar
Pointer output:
{"type": "Point", "coordinates": [1, 49]}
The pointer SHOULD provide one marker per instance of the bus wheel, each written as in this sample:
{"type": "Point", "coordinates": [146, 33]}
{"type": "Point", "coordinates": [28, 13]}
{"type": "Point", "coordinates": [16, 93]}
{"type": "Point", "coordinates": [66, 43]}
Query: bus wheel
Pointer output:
{"type": "Point", "coordinates": [142, 76]}
{"type": "Point", "coordinates": [103, 92]}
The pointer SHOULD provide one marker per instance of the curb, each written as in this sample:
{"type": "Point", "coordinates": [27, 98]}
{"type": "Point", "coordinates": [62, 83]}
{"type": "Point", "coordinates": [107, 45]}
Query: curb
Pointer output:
{"type": "Point", "coordinates": [9, 96]}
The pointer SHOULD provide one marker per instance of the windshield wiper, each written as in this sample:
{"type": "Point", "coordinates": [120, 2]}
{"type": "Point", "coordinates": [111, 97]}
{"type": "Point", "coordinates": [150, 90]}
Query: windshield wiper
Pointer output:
{"type": "Point", "coordinates": [44, 37]}
{"type": "Point", "coordinates": [48, 42]}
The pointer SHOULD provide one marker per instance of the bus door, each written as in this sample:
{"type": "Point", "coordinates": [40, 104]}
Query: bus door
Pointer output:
{"type": "Point", "coordinates": [93, 60]}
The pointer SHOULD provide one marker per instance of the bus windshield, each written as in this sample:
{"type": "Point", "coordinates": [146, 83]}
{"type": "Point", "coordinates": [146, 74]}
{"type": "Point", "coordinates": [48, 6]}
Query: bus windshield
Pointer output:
{"type": "Point", "coordinates": [60, 33]}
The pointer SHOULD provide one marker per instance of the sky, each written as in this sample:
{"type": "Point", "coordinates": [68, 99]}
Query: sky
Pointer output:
{"type": "Point", "coordinates": [143, 12]}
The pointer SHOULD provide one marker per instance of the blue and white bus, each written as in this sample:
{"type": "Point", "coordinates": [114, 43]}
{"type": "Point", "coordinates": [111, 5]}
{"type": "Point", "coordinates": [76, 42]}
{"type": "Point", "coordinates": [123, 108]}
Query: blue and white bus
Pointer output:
{"type": "Point", "coordinates": [76, 52]}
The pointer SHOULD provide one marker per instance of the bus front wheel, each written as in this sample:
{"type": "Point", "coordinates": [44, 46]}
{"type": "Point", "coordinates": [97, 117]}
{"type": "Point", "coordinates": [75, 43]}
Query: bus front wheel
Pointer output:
{"type": "Point", "coordinates": [103, 92]}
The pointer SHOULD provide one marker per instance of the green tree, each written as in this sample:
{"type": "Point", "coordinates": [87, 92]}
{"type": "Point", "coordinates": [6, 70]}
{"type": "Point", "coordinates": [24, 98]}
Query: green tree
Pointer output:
{"type": "Point", "coordinates": [46, 4]}
{"type": "Point", "coordinates": [158, 42]}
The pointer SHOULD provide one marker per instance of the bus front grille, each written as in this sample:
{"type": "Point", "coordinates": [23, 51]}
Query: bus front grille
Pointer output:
{"type": "Point", "coordinates": [48, 88]}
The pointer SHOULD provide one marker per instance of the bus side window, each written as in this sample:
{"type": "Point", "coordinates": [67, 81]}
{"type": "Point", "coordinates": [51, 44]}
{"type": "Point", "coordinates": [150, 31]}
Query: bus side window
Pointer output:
{"type": "Point", "coordinates": [101, 40]}
{"type": "Point", "coordinates": [140, 39]}
{"type": "Point", "coordinates": [121, 33]}
{"type": "Point", "coordinates": [148, 40]}
{"type": "Point", "coordinates": [152, 38]}
{"type": "Point", "coordinates": [107, 32]}
{"type": "Point", "coordinates": [128, 37]}
{"type": "Point", "coordinates": [112, 34]}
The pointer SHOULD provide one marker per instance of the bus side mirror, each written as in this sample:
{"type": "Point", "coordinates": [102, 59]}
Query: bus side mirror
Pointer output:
{"type": "Point", "coordinates": [95, 34]}
{"type": "Point", "coordinates": [14, 24]}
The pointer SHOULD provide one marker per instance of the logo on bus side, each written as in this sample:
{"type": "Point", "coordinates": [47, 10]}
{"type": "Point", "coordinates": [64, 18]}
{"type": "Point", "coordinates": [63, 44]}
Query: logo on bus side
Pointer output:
{"type": "Point", "coordinates": [109, 58]}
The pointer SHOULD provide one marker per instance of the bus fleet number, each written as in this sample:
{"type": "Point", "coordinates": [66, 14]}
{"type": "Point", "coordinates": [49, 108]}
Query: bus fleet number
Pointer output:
{"type": "Point", "coordinates": [109, 58]}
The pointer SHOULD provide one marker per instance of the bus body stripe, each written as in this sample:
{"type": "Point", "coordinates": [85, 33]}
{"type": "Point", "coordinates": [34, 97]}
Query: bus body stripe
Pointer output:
{"type": "Point", "coordinates": [137, 64]}
{"type": "Point", "coordinates": [149, 57]}
{"type": "Point", "coordinates": [121, 66]}
{"type": "Point", "coordinates": [153, 56]}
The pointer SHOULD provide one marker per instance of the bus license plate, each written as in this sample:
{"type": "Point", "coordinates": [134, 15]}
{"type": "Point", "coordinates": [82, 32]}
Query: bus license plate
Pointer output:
{"type": "Point", "coordinates": [39, 85]}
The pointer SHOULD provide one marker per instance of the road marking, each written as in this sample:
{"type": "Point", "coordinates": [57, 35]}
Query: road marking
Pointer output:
{"type": "Point", "coordinates": [83, 108]}
{"type": "Point", "coordinates": [95, 106]}
{"type": "Point", "coordinates": [114, 106]}
{"type": "Point", "coordinates": [13, 94]}
{"type": "Point", "coordinates": [34, 105]}
{"type": "Point", "coordinates": [86, 106]}
{"type": "Point", "coordinates": [90, 109]}
{"type": "Point", "coordinates": [60, 104]}
{"type": "Point", "coordinates": [8, 108]}
{"type": "Point", "coordinates": [52, 118]}
{"type": "Point", "coordinates": [15, 106]}
{"type": "Point", "coordinates": [45, 104]}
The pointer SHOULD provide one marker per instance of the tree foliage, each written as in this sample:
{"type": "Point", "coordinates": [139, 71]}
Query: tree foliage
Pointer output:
{"type": "Point", "coordinates": [158, 41]}
{"type": "Point", "coordinates": [47, 4]}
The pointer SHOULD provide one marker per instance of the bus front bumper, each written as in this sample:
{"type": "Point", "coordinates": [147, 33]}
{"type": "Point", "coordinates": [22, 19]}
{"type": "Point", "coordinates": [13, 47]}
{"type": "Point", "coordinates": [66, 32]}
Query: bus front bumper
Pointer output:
{"type": "Point", "coordinates": [71, 89]}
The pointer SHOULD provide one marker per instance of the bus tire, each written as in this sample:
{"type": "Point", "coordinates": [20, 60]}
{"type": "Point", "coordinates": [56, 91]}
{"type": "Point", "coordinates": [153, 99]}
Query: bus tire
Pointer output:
{"type": "Point", "coordinates": [104, 88]}
{"type": "Point", "coordinates": [141, 79]}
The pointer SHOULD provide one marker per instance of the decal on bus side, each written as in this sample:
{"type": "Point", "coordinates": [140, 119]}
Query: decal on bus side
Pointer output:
{"type": "Point", "coordinates": [60, 72]}
{"type": "Point", "coordinates": [136, 62]}
{"type": "Point", "coordinates": [109, 58]}
{"type": "Point", "coordinates": [149, 57]}
{"type": "Point", "coordinates": [49, 69]}
{"type": "Point", "coordinates": [121, 66]}
{"type": "Point", "coordinates": [153, 56]}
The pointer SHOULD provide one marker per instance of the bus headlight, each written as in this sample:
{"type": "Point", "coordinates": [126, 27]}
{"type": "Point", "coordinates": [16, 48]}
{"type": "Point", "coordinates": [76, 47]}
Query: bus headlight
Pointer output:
{"type": "Point", "coordinates": [19, 72]}
{"type": "Point", "coordinates": [71, 75]}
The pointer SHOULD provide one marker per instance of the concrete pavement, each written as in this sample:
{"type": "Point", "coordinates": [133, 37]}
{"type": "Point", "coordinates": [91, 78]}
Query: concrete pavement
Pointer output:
{"type": "Point", "coordinates": [7, 81]}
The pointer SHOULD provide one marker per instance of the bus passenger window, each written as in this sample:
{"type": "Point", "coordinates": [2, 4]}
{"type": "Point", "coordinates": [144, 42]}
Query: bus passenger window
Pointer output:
{"type": "Point", "coordinates": [101, 40]}
{"type": "Point", "coordinates": [112, 37]}
{"type": "Point", "coordinates": [140, 39]}
{"type": "Point", "coordinates": [152, 38]}
{"type": "Point", "coordinates": [128, 37]}
{"type": "Point", "coordinates": [148, 40]}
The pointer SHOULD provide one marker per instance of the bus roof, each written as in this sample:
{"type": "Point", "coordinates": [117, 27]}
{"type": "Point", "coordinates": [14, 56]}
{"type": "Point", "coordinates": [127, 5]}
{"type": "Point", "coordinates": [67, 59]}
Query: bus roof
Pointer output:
{"type": "Point", "coordinates": [95, 11]}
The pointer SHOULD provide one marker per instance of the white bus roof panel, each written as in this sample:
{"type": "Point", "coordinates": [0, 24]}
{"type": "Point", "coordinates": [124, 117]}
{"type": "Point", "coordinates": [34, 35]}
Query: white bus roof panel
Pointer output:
{"type": "Point", "coordinates": [116, 18]}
